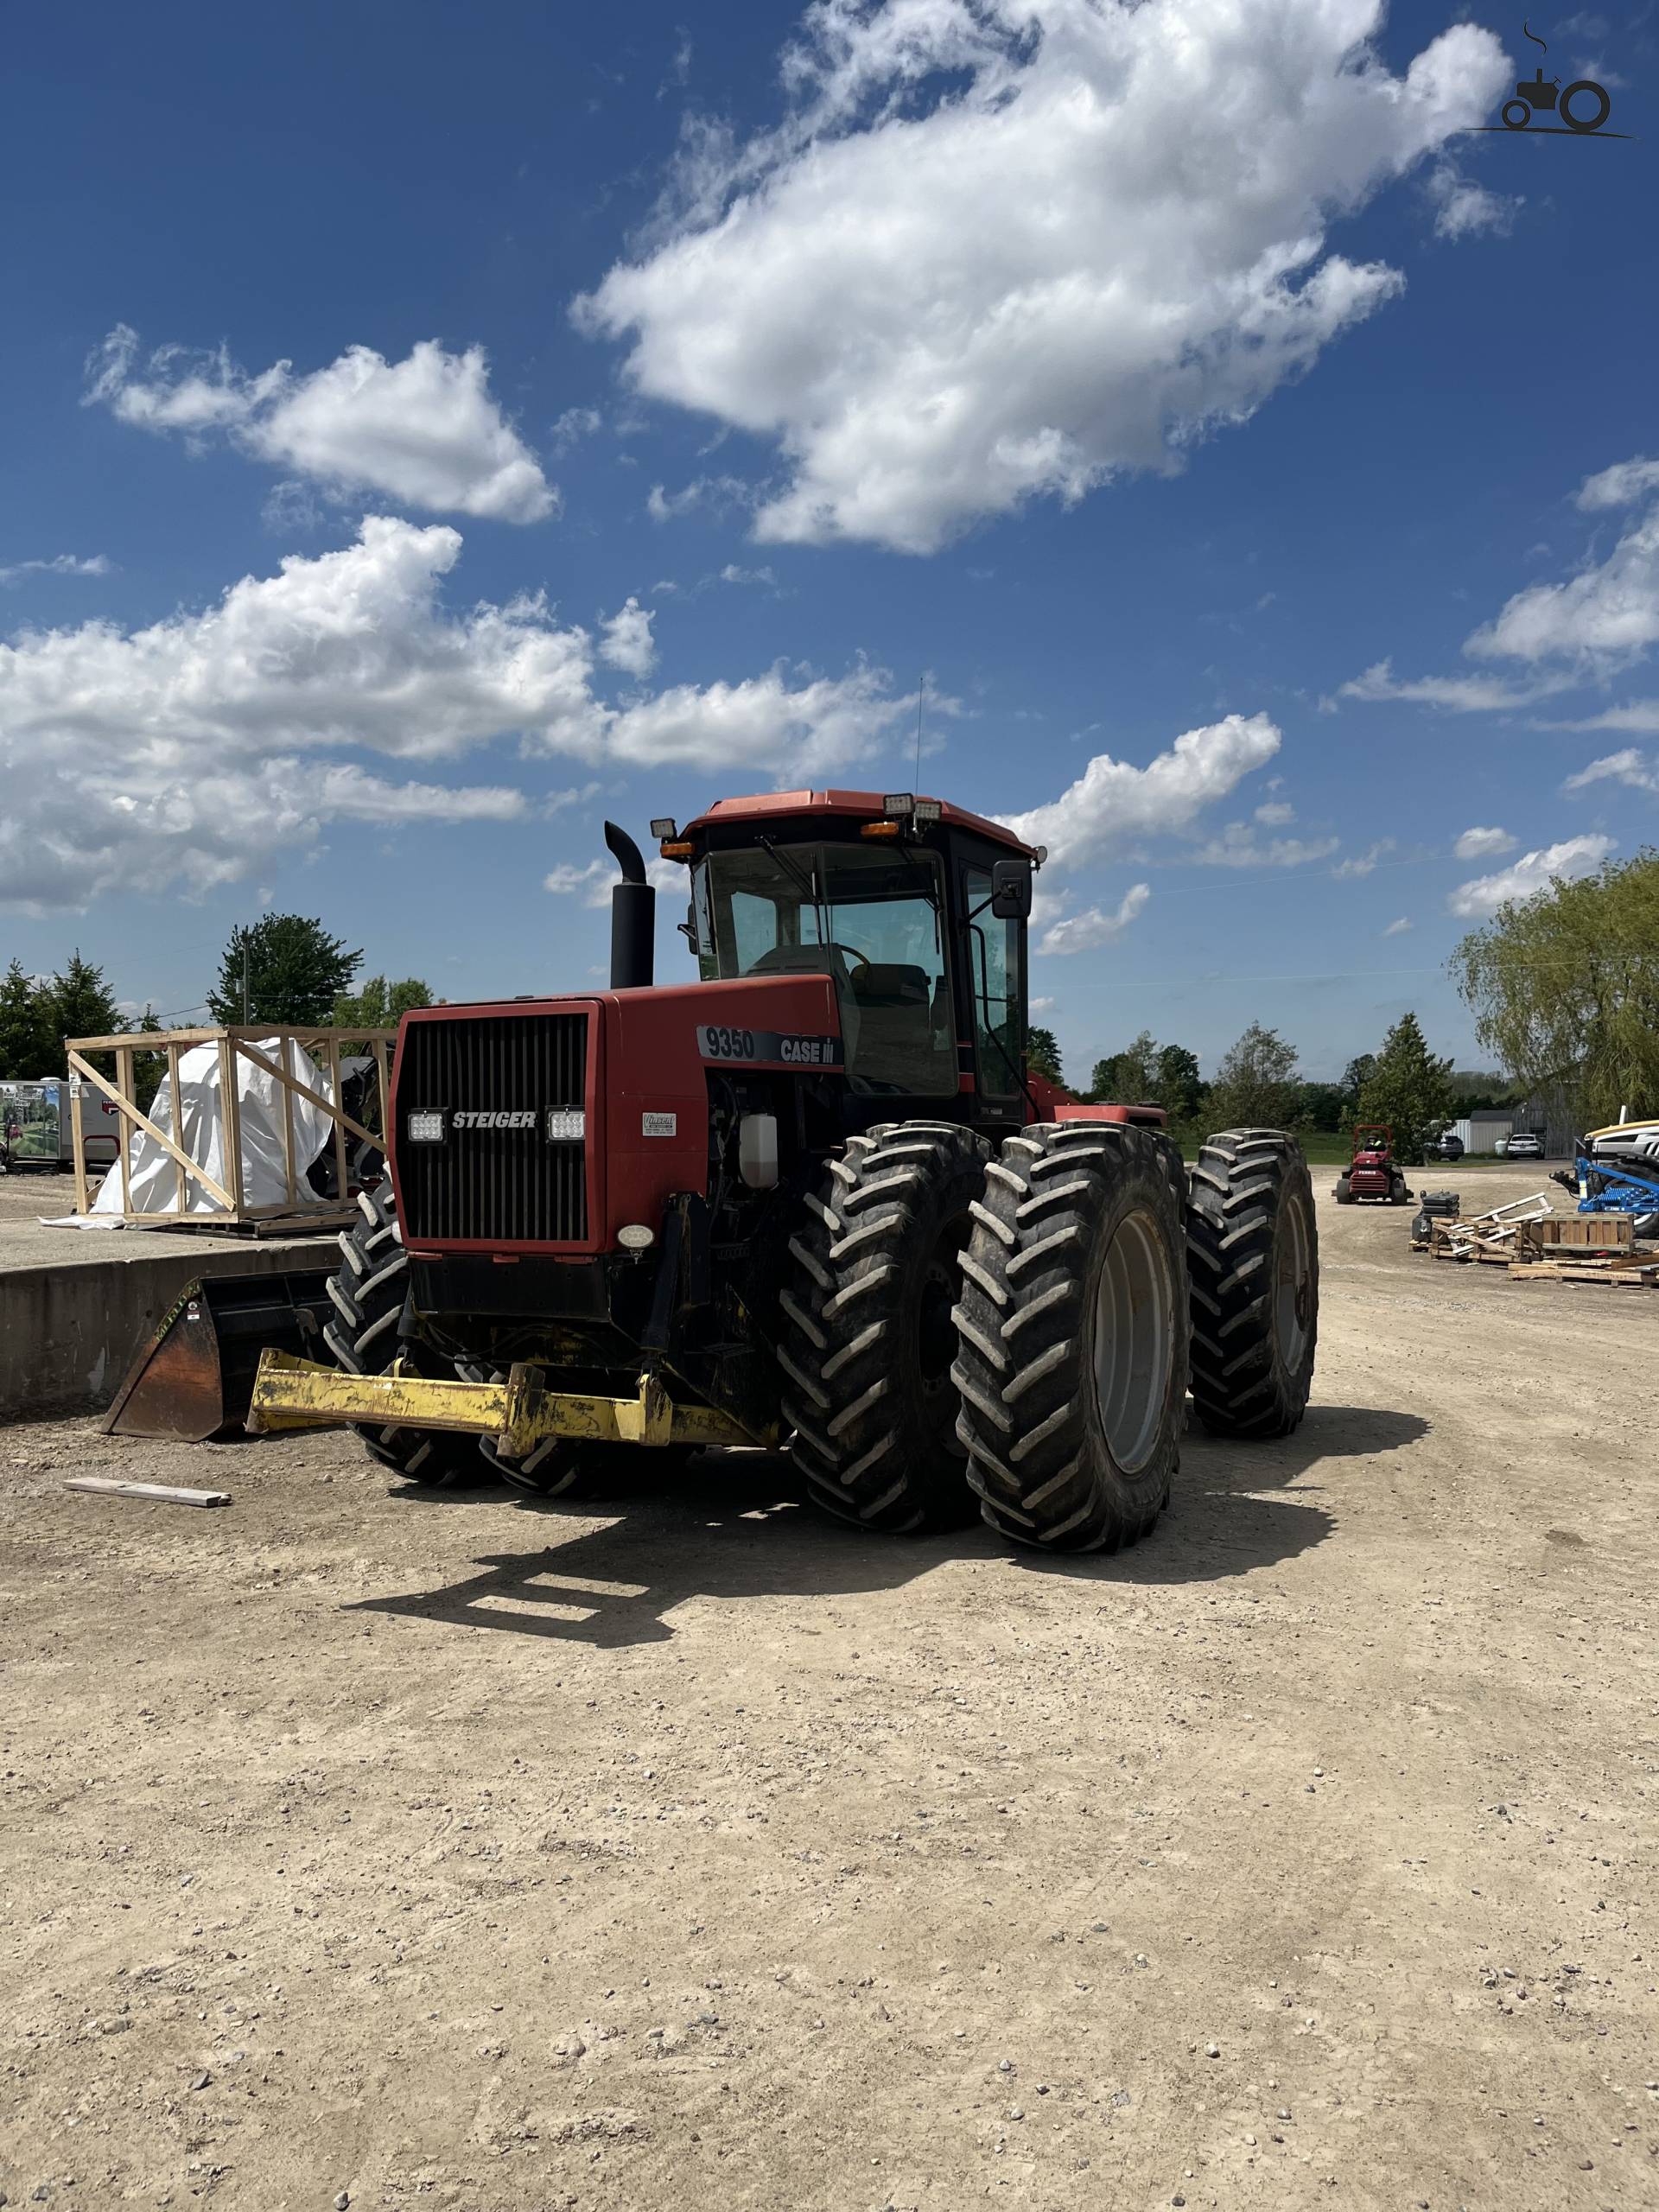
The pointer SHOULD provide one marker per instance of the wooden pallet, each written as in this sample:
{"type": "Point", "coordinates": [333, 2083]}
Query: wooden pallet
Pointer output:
{"type": "Point", "coordinates": [1569, 1237]}
{"type": "Point", "coordinates": [1624, 1274]}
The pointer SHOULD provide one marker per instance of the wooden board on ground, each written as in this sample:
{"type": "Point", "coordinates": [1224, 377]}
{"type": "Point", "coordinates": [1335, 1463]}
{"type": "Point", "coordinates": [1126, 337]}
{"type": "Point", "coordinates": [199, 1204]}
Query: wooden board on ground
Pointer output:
{"type": "Point", "coordinates": [1632, 1273]}
{"type": "Point", "coordinates": [158, 1493]}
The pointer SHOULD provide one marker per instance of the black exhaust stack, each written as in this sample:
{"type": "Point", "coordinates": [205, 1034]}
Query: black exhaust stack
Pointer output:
{"type": "Point", "coordinates": [634, 917]}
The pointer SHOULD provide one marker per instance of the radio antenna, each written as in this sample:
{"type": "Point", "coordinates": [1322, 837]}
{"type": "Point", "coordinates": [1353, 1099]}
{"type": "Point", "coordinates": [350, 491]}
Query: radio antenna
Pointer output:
{"type": "Point", "coordinates": [921, 693]}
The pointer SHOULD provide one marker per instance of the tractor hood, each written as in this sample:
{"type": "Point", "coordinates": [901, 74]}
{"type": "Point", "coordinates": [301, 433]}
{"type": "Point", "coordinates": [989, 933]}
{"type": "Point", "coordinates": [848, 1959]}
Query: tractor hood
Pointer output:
{"type": "Point", "coordinates": [547, 1126]}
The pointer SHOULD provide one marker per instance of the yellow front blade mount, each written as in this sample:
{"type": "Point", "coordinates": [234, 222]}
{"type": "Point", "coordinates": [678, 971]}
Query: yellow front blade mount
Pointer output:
{"type": "Point", "coordinates": [293, 1393]}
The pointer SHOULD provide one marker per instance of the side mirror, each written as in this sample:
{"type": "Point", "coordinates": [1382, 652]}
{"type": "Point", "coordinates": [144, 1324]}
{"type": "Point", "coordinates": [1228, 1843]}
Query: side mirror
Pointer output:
{"type": "Point", "coordinates": [1011, 890]}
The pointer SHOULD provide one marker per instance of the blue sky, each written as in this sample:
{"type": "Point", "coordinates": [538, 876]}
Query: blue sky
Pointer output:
{"type": "Point", "coordinates": [1183, 374]}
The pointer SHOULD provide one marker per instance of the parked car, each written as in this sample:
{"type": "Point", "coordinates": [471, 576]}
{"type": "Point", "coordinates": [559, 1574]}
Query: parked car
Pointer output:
{"type": "Point", "coordinates": [1523, 1145]}
{"type": "Point", "coordinates": [1447, 1146]}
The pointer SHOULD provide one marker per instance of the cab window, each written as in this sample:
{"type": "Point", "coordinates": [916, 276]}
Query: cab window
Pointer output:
{"type": "Point", "coordinates": [870, 920]}
{"type": "Point", "coordinates": [993, 987]}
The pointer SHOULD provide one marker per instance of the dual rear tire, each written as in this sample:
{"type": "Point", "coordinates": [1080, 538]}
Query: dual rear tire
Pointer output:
{"type": "Point", "coordinates": [1091, 1287]}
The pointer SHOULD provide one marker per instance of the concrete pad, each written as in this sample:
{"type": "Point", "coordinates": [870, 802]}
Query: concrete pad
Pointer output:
{"type": "Point", "coordinates": [75, 1304]}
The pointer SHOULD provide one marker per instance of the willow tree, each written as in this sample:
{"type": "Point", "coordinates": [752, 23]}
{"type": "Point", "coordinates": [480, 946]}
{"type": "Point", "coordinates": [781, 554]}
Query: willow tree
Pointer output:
{"type": "Point", "coordinates": [1564, 986]}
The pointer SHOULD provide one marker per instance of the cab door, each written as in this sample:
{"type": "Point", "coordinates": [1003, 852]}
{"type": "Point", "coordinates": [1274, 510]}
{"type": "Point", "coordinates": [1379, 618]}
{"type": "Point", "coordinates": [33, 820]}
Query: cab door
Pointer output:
{"type": "Point", "coordinates": [994, 969]}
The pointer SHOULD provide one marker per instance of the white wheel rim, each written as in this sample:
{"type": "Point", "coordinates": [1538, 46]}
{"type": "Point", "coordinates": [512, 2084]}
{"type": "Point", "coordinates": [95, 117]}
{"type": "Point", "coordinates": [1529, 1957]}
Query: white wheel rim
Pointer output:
{"type": "Point", "coordinates": [1135, 1340]}
{"type": "Point", "coordinates": [1293, 1274]}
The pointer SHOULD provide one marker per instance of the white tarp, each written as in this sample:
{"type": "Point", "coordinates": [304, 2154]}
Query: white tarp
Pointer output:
{"type": "Point", "coordinates": [153, 1171]}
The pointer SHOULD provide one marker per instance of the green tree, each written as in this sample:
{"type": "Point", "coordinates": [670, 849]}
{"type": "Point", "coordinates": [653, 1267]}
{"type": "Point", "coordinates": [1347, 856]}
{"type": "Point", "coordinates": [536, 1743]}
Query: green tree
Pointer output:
{"type": "Point", "coordinates": [1177, 1085]}
{"type": "Point", "coordinates": [1564, 986]}
{"type": "Point", "coordinates": [1255, 1085]}
{"type": "Point", "coordinates": [148, 1068]}
{"type": "Point", "coordinates": [1357, 1073]}
{"type": "Point", "coordinates": [1323, 1105]}
{"type": "Point", "coordinates": [28, 1045]}
{"type": "Point", "coordinates": [1409, 1090]}
{"type": "Point", "coordinates": [1473, 1087]}
{"type": "Point", "coordinates": [380, 1005]}
{"type": "Point", "coordinates": [1042, 1053]}
{"type": "Point", "coordinates": [294, 972]}
{"type": "Point", "coordinates": [1127, 1078]}
{"type": "Point", "coordinates": [79, 1004]}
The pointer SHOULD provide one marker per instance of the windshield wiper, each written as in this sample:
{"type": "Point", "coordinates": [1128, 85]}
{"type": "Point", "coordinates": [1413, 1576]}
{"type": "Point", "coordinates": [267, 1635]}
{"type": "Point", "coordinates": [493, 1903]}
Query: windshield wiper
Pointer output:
{"type": "Point", "coordinates": [808, 884]}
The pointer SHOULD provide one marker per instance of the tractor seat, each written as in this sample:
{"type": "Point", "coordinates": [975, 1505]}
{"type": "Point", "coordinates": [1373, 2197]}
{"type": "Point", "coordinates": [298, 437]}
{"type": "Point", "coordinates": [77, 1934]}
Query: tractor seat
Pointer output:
{"type": "Point", "coordinates": [891, 983]}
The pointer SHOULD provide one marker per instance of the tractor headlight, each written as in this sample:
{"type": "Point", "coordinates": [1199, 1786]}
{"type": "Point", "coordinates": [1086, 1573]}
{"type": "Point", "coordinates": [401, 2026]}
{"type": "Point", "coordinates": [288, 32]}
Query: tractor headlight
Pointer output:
{"type": "Point", "coordinates": [566, 1124]}
{"type": "Point", "coordinates": [426, 1129]}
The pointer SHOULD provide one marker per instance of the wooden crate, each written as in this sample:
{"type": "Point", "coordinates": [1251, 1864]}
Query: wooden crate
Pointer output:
{"type": "Point", "coordinates": [229, 1209]}
{"type": "Point", "coordinates": [1564, 1233]}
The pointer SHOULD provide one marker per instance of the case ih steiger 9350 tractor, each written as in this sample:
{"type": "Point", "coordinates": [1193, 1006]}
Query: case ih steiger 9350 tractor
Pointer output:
{"type": "Point", "coordinates": [814, 1199]}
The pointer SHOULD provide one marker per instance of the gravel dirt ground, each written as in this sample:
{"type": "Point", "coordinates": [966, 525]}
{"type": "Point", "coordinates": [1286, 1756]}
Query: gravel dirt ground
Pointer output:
{"type": "Point", "coordinates": [390, 1850]}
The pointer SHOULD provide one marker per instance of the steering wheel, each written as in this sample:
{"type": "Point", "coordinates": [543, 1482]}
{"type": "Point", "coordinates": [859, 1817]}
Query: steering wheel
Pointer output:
{"type": "Point", "coordinates": [780, 956]}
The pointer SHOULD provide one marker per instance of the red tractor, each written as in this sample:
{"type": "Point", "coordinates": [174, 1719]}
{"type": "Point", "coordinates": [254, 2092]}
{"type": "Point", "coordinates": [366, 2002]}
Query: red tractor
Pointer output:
{"type": "Point", "coordinates": [814, 1199]}
{"type": "Point", "coordinates": [1373, 1174]}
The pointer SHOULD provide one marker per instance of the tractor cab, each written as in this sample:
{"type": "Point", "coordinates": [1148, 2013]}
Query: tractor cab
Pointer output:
{"type": "Point", "coordinates": [914, 910]}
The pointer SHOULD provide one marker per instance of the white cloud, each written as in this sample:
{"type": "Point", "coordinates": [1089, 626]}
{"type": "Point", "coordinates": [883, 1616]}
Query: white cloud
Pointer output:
{"type": "Point", "coordinates": [763, 724]}
{"type": "Point", "coordinates": [1640, 716]}
{"type": "Point", "coordinates": [1398, 928]}
{"type": "Point", "coordinates": [425, 429]}
{"type": "Point", "coordinates": [1594, 623]}
{"type": "Point", "coordinates": [1002, 249]}
{"type": "Point", "coordinates": [720, 494]}
{"type": "Point", "coordinates": [1238, 846]}
{"type": "Point", "coordinates": [1621, 485]}
{"type": "Point", "coordinates": [1479, 899]}
{"type": "Point", "coordinates": [1113, 804]}
{"type": "Point", "coordinates": [1462, 207]}
{"type": "Point", "coordinates": [592, 881]}
{"type": "Point", "coordinates": [1461, 694]}
{"type": "Point", "coordinates": [1083, 932]}
{"type": "Point", "coordinates": [1629, 767]}
{"type": "Point", "coordinates": [1044, 1006]}
{"type": "Point", "coordinates": [1478, 844]}
{"type": "Point", "coordinates": [1363, 863]}
{"type": "Point", "coordinates": [625, 641]}
{"type": "Point", "coordinates": [1275, 814]}
{"type": "Point", "coordinates": [1604, 617]}
{"type": "Point", "coordinates": [186, 751]}
{"type": "Point", "coordinates": [61, 564]}
{"type": "Point", "coordinates": [572, 426]}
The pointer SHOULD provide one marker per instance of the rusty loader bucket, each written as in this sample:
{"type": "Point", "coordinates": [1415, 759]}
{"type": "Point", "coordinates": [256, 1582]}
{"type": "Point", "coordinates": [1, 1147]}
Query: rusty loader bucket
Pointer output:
{"type": "Point", "coordinates": [193, 1378]}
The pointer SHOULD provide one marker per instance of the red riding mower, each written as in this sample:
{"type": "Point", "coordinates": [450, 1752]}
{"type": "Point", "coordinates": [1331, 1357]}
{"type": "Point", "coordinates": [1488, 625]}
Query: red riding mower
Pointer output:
{"type": "Point", "coordinates": [1373, 1172]}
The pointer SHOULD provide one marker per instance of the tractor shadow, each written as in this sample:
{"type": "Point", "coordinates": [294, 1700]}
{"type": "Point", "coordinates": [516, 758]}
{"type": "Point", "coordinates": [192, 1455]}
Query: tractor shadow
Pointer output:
{"type": "Point", "coordinates": [739, 1526]}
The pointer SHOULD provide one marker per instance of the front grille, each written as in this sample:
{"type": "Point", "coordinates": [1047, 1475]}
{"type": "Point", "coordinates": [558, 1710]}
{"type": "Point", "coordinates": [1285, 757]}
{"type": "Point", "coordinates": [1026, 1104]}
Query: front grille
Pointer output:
{"type": "Point", "coordinates": [501, 1185]}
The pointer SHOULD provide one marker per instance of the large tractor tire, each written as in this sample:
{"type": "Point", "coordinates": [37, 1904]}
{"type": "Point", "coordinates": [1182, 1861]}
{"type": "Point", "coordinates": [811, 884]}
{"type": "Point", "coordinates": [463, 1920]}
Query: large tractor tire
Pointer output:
{"type": "Point", "coordinates": [868, 1343]}
{"type": "Point", "coordinates": [1073, 1330]}
{"type": "Point", "coordinates": [368, 1292]}
{"type": "Point", "coordinates": [1252, 1272]}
